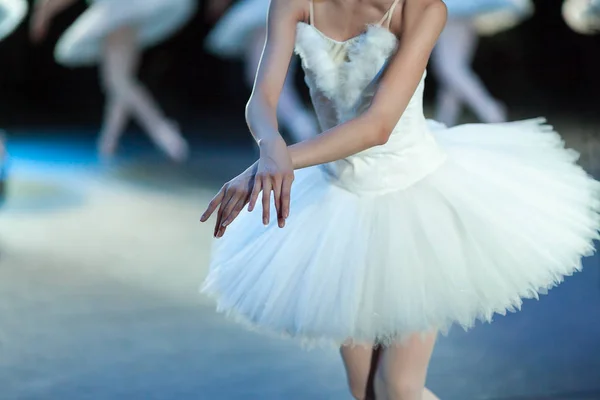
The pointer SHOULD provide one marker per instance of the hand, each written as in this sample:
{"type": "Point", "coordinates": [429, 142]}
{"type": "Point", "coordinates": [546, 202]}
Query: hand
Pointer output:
{"type": "Point", "coordinates": [231, 199]}
{"type": "Point", "coordinates": [275, 173]}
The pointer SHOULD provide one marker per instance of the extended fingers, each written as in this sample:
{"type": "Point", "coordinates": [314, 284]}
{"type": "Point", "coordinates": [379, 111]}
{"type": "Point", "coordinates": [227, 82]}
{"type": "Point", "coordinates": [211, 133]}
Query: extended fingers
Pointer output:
{"type": "Point", "coordinates": [255, 192]}
{"type": "Point", "coordinates": [235, 211]}
{"type": "Point", "coordinates": [266, 200]}
{"type": "Point", "coordinates": [212, 206]}
{"type": "Point", "coordinates": [286, 194]}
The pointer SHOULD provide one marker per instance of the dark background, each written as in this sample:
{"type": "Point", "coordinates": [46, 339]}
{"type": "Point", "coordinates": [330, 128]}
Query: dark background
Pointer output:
{"type": "Point", "coordinates": [539, 68]}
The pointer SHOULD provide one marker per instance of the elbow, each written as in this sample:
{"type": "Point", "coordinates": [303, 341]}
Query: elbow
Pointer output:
{"type": "Point", "coordinates": [382, 136]}
{"type": "Point", "coordinates": [381, 133]}
{"type": "Point", "coordinates": [257, 104]}
{"type": "Point", "coordinates": [249, 111]}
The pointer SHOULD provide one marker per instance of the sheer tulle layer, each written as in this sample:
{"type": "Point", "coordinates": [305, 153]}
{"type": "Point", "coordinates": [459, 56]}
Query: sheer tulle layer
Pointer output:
{"type": "Point", "coordinates": [12, 13]}
{"type": "Point", "coordinates": [233, 33]}
{"type": "Point", "coordinates": [155, 20]}
{"type": "Point", "coordinates": [506, 217]}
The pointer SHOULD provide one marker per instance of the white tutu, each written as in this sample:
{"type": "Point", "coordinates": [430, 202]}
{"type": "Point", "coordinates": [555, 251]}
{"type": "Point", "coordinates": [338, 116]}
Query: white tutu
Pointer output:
{"type": "Point", "coordinates": [232, 34]}
{"type": "Point", "coordinates": [491, 16]}
{"type": "Point", "coordinates": [156, 20]}
{"type": "Point", "coordinates": [505, 217]}
{"type": "Point", "coordinates": [12, 13]}
{"type": "Point", "coordinates": [582, 16]}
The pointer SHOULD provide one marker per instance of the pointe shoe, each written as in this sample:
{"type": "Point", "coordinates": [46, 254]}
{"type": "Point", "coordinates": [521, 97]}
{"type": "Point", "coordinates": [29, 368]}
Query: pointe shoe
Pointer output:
{"type": "Point", "coordinates": [501, 112]}
{"type": "Point", "coordinates": [172, 143]}
{"type": "Point", "coordinates": [494, 112]}
{"type": "Point", "coordinates": [107, 146]}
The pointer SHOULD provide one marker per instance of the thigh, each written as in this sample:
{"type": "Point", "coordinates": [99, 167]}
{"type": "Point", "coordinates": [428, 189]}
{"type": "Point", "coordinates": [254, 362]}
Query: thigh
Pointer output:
{"type": "Point", "coordinates": [406, 364]}
{"type": "Point", "coordinates": [359, 362]}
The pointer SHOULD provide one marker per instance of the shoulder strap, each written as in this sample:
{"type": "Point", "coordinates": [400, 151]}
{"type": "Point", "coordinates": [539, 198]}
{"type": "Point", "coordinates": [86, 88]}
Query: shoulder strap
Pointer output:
{"type": "Point", "coordinates": [387, 17]}
{"type": "Point", "coordinates": [311, 12]}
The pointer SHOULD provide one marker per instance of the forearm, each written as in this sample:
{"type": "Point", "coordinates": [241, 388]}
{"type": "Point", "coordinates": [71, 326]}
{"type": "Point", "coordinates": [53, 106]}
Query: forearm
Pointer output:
{"type": "Point", "coordinates": [261, 117]}
{"type": "Point", "coordinates": [339, 142]}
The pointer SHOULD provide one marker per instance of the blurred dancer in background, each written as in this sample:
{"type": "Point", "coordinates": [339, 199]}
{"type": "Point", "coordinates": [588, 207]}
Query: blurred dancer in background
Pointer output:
{"type": "Point", "coordinates": [582, 16]}
{"type": "Point", "coordinates": [12, 13]}
{"type": "Point", "coordinates": [112, 33]}
{"type": "Point", "coordinates": [241, 34]}
{"type": "Point", "coordinates": [453, 56]}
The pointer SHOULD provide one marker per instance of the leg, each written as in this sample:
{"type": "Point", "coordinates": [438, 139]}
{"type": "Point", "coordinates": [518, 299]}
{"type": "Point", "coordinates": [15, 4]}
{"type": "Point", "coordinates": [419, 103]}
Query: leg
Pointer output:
{"type": "Point", "coordinates": [358, 361]}
{"type": "Point", "coordinates": [127, 93]}
{"type": "Point", "coordinates": [403, 368]}
{"type": "Point", "coordinates": [292, 113]}
{"type": "Point", "coordinates": [113, 126]}
{"type": "Point", "coordinates": [452, 60]}
{"type": "Point", "coordinates": [117, 112]}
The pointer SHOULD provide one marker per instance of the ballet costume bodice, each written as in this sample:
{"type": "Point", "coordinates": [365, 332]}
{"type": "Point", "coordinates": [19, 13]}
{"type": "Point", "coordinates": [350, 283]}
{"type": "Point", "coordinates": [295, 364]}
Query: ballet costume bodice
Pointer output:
{"type": "Point", "coordinates": [342, 77]}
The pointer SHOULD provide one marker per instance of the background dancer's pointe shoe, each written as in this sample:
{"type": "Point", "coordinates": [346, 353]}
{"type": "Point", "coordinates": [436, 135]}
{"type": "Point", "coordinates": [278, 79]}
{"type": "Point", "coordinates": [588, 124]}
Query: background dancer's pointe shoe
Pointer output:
{"type": "Point", "coordinates": [107, 146]}
{"type": "Point", "coordinates": [172, 143]}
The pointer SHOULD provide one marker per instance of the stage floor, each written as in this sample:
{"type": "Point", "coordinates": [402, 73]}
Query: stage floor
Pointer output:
{"type": "Point", "coordinates": [99, 273]}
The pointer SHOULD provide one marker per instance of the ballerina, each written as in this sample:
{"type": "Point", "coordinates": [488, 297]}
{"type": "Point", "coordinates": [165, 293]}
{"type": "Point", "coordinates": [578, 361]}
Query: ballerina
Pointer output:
{"type": "Point", "coordinates": [241, 33]}
{"type": "Point", "coordinates": [453, 55]}
{"type": "Point", "coordinates": [394, 228]}
{"type": "Point", "coordinates": [12, 13]}
{"type": "Point", "coordinates": [112, 33]}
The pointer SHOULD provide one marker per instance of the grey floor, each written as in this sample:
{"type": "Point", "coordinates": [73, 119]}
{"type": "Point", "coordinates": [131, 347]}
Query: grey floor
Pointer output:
{"type": "Point", "coordinates": [99, 270]}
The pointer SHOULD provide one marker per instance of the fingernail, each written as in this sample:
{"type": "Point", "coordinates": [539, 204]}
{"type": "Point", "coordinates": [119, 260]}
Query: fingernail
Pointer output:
{"type": "Point", "coordinates": [225, 224]}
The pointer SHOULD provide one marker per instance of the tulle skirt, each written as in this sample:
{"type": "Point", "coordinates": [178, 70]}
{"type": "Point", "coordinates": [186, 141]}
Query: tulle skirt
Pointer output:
{"type": "Point", "coordinates": [491, 16]}
{"type": "Point", "coordinates": [155, 20]}
{"type": "Point", "coordinates": [232, 34]}
{"type": "Point", "coordinates": [12, 13]}
{"type": "Point", "coordinates": [504, 218]}
{"type": "Point", "coordinates": [582, 16]}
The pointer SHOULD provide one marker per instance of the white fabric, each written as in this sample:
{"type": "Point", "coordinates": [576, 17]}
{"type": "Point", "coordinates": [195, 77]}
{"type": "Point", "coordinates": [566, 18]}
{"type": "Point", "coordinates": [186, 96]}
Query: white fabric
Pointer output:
{"type": "Point", "coordinates": [582, 16]}
{"type": "Point", "coordinates": [12, 13]}
{"type": "Point", "coordinates": [435, 228]}
{"type": "Point", "coordinates": [490, 16]}
{"type": "Point", "coordinates": [156, 20]}
{"type": "Point", "coordinates": [233, 33]}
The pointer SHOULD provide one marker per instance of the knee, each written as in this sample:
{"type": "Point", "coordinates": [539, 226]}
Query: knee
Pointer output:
{"type": "Point", "coordinates": [116, 83]}
{"type": "Point", "coordinates": [358, 391]}
{"type": "Point", "coordinates": [358, 388]}
{"type": "Point", "coordinates": [400, 388]}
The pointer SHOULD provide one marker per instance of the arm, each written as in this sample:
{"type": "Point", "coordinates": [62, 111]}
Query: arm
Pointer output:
{"type": "Point", "coordinates": [43, 13]}
{"type": "Point", "coordinates": [274, 170]}
{"type": "Point", "coordinates": [421, 26]}
{"type": "Point", "coordinates": [261, 110]}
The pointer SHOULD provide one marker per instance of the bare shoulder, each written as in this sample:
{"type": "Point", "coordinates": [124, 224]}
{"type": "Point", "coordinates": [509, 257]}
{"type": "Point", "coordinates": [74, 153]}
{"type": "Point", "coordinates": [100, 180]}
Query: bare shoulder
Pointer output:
{"type": "Point", "coordinates": [290, 10]}
{"type": "Point", "coordinates": [432, 13]}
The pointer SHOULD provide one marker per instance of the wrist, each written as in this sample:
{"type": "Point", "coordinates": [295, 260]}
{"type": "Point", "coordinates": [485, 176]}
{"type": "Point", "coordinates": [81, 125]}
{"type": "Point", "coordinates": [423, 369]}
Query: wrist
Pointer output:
{"type": "Point", "coordinates": [270, 143]}
{"type": "Point", "coordinates": [294, 153]}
